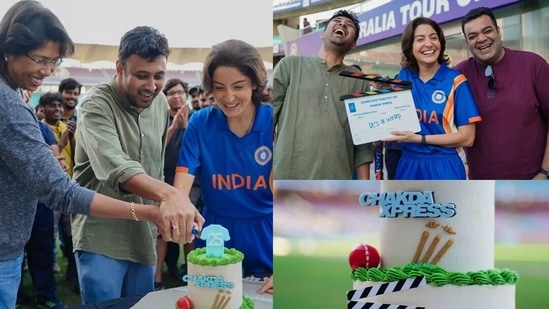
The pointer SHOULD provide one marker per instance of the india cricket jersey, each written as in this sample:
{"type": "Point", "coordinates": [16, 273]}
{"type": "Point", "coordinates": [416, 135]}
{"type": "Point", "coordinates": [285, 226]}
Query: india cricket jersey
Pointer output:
{"type": "Point", "coordinates": [233, 170]}
{"type": "Point", "coordinates": [442, 104]}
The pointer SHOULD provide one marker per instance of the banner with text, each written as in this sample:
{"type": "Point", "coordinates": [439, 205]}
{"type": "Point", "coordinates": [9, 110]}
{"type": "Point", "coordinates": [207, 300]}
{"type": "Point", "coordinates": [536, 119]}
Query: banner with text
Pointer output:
{"type": "Point", "coordinates": [390, 19]}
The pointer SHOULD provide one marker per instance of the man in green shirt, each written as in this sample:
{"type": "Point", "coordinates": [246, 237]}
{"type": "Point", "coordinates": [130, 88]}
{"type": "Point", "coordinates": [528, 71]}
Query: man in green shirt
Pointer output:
{"type": "Point", "coordinates": [313, 138]}
{"type": "Point", "coordinates": [122, 127]}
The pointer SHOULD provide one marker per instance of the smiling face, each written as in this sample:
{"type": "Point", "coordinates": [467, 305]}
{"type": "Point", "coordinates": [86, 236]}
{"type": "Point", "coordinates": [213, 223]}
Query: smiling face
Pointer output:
{"type": "Point", "coordinates": [140, 80]}
{"type": "Point", "coordinates": [232, 91]}
{"type": "Point", "coordinates": [340, 32]}
{"type": "Point", "coordinates": [25, 73]}
{"type": "Point", "coordinates": [484, 39]}
{"type": "Point", "coordinates": [176, 97]}
{"type": "Point", "coordinates": [71, 97]}
{"type": "Point", "coordinates": [426, 45]}
{"type": "Point", "coordinates": [53, 112]}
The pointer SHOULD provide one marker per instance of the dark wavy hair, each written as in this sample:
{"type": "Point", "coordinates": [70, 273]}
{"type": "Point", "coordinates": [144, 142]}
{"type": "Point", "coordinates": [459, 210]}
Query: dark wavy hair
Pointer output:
{"type": "Point", "coordinates": [240, 55]}
{"type": "Point", "coordinates": [144, 41]}
{"type": "Point", "coordinates": [174, 82]}
{"type": "Point", "coordinates": [407, 42]}
{"type": "Point", "coordinates": [27, 26]}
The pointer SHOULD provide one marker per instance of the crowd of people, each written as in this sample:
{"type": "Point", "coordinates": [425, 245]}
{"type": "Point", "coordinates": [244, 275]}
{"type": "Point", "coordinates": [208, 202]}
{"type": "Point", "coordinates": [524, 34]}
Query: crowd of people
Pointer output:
{"type": "Point", "coordinates": [129, 171]}
{"type": "Point", "coordinates": [486, 118]}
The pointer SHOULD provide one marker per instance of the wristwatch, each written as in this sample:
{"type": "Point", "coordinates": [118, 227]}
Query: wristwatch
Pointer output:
{"type": "Point", "coordinates": [544, 172]}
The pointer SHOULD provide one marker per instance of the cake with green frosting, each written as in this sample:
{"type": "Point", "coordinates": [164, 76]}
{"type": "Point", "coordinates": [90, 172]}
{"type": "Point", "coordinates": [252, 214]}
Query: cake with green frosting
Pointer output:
{"type": "Point", "coordinates": [436, 275]}
{"type": "Point", "coordinates": [216, 282]}
{"type": "Point", "coordinates": [435, 253]}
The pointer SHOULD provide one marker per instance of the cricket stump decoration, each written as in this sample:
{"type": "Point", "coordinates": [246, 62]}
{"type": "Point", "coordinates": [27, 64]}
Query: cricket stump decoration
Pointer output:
{"type": "Point", "coordinates": [423, 240]}
{"type": "Point", "coordinates": [420, 230]}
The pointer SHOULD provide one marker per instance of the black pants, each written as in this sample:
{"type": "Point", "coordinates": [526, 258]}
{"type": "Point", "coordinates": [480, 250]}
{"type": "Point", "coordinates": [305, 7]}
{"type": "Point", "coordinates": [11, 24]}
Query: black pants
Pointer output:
{"type": "Point", "coordinates": [392, 156]}
{"type": "Point", "coordinates": [65, 237]}
{"type": "Point", "coordinates": [172, 256]}
{"type": "Point", "coordinates": [40, 255]}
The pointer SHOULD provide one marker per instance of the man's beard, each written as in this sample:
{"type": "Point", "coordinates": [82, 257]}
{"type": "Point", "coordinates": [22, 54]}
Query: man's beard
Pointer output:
{"type": "Point", "coordinates": [69, 107]}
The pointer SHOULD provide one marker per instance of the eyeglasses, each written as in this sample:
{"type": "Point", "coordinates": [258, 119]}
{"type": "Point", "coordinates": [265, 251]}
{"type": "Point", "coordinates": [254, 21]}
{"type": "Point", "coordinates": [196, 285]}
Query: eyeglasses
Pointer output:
{"type": "Point", "coordinates": [180, 93]}
{"type": "Point", "coordinates": [490, 74]}
{"type": "Point", "coordinates": [47, 63]}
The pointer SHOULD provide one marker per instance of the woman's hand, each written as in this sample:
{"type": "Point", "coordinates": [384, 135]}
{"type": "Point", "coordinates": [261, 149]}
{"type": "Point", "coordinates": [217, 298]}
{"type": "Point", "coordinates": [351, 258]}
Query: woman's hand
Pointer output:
{"type": "Point", "coordinates": [403, 136]}
{"type": "Point", "coordinates": [266, 286]}
{"type": "Point", "coordinates": [177, 217]}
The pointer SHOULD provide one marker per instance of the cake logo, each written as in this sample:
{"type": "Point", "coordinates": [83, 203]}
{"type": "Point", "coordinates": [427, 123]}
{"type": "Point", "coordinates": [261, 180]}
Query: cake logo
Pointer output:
{"type": "Point", "coordinates": [408, 204]}
{"type": "Point", "coordinates": [222, 298]}
{"type": "Point", "coordinates": [210, 282]}
{"type": "Point", "coordinates": [432, 246]}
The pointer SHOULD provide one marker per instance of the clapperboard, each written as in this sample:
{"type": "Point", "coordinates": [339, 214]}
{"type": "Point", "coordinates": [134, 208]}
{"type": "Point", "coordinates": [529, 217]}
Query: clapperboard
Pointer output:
{"type": "Point", "coordinates": [374, 114]}
{"type": "Point", "coordinates": [356, 298]}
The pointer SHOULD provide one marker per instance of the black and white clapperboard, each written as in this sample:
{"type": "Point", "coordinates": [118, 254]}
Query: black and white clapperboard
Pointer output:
{"type": "Point", "coordinates": [358, 299]}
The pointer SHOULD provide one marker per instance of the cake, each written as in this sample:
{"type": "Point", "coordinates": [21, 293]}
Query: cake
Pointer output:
{"type": "Point", "coordinates": [214, 273]}
{"type": "Point", "coordinates": [436, 249]}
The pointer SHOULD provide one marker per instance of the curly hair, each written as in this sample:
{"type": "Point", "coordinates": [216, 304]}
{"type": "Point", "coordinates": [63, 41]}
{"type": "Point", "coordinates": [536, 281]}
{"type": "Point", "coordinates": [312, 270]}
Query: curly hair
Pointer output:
{"type": "Point", "coordinates": [50, 97]}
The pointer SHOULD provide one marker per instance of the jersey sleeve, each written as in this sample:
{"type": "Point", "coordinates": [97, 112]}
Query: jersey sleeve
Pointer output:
{"type": "Point", "coordinates": [466, 111]}
{"type": "Point", "coordinates": [188, 160]}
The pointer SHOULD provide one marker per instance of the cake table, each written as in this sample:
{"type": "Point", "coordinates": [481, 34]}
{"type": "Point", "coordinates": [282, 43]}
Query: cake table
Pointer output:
{"type": "Point", "coordinates": [167, 298]}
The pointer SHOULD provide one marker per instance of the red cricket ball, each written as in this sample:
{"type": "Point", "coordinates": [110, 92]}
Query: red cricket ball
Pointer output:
{"type": "Point", "coordinates": [184, 303]}
{"type": "Point", "coordinates": [363, 255]}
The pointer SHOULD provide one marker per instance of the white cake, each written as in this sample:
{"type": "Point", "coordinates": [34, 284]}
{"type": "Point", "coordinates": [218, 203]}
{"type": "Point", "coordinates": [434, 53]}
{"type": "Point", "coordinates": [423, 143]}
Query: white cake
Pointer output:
{"type": "Point", "coordinates": [216, 282]}
{"type": "Point", "coordinates": [453, 249]}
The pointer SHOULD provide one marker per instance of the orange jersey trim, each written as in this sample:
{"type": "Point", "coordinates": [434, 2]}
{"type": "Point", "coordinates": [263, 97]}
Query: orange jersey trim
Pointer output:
{"type": "Point", "coordinates": [448, 113]}
{"type": "Point", "coordinates": [475, 119]}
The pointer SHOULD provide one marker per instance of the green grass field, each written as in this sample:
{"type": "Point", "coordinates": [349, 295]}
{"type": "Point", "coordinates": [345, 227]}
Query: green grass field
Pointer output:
{"type": "Point", "coordinates": [320, 281]}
